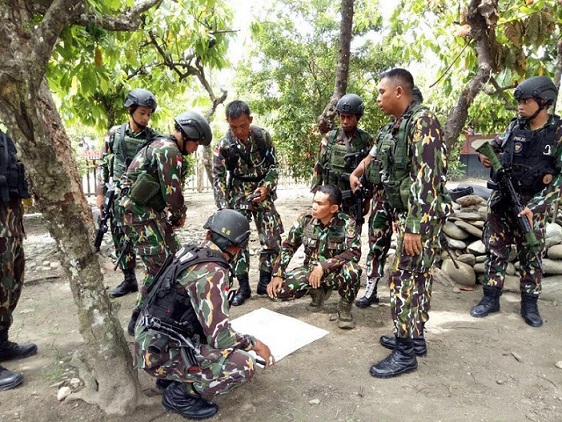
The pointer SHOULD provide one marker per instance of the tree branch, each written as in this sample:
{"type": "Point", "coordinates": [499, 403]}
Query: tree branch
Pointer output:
{"type": "Point", "coordinates": [128, 20]}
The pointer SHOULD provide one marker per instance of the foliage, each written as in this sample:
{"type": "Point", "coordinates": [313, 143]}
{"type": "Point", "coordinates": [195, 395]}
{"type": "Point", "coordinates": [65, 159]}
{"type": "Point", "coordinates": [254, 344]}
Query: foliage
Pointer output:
{"type": "Point", "coordinates": [291, 73]}
{"type": "Point", "coordinates": [93, 69]}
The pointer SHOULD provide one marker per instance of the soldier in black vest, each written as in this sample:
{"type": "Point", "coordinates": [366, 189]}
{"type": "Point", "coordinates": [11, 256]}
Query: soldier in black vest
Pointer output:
{"type": "Point", "coordinates": [13, 188]}
{"type": "Point", "coordinates": [531, 152]}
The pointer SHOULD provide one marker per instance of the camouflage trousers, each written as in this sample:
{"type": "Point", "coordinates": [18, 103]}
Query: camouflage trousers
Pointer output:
{"type": "Point", "coordinates": [152, 241]}
{"type": "Point", "coordinates": [270, 227]}
{"type": "Point", "coordinates": [128, 261]}
{"type": "Point", "coordinates": [411, 282]}
{"type": "Point", "coordinates": [380, 235]}
{"type": "Point", "coordinates": [345, 281]}
{"type": "Point", "coordinates": [11, 277]}
{"type": "Point", "coordinates": [500, 232]}
{"type": "Point", "coordinates": [217, 371]}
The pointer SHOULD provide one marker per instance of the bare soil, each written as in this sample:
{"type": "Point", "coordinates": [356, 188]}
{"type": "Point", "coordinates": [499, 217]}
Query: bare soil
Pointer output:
{"type": "Point", "coordinates": [491, 369]}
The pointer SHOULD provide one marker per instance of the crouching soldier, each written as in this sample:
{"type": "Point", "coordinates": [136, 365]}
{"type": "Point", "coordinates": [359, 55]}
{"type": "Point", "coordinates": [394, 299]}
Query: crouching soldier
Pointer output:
{"type": "Point", "coordinates": [332, 250]}
{"type": "Point", "coordinates": [184, 337]}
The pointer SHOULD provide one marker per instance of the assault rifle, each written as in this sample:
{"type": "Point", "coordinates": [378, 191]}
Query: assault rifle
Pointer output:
{"type": "Point", "coordinates": [106, 211]}
{"type": "Point", "coordinates": [352, 161]}
{"type": "Point", "coordinates": [508, 192]}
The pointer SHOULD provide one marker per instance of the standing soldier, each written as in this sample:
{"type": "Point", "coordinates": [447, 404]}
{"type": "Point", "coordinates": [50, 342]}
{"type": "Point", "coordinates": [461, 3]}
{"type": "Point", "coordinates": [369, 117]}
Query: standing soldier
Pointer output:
{"type": "Point", "coordinates": [332, 249]}
{"type": "Point", "coordinates": [184, 337]}
{"type": "Point", "coordinates": [152, 195]}
{"type": "Point", "coordinates": [530, 151]}
{"type": "Point", "coordinates": [245, 177]}
{"type": "Point", "coordinates": [341, 150]}
{"type": "Point", "coordinates": [13, 188]}
{"type": "Point", "coordinates": [121, 147]}
{"type": "Point", "coordinates": [414, 170]}
{"type": "Point", "coordinates": [381, 217]}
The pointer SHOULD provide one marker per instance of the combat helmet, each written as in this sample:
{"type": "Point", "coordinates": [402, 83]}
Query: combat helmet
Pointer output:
{"type": "Point", "coordinates": [141, 97]}
{"type": "Point", "coordinates": [350, 104]}
{"type": "Point", "coordinates": [228, 228]}
{"type": "Point", "coordinates": [417, 95]}
{"type": "Point", "coordinates": [195, 127]}
{"type": "Point", "coordinates": [537, 87]}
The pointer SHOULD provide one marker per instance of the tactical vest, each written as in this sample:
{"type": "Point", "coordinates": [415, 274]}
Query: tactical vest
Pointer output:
{"type": "Point", "coordinates": [13, 183]}
{"type": "Point", "coordinates": [233, 154]}
{"type": "Point", "coordinates": [531, 157]}
{"type": "Point", "coordinates": [125, 148]}
{"type": "Point", "coordinates": [394, 152]}
{"type": "Point", "coordinates": [168, 302]}
{"type": "Point", "coordinates": [374, 168]}
{"type": "Point", "coordinates": [341, 160]}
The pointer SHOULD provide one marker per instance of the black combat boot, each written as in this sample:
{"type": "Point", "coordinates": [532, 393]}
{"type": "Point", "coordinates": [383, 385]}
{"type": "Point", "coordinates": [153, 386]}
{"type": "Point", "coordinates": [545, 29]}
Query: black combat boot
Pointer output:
{"type": "Point", "coordinates": [190, 405]}
{"type": "Point", "coordinates": [401, 361]}
{"type": "Point", "coordinates": [128, 285]}
{"type": "Point", "coordinates": [133, 322]}
{"type": "Point", "coordinates": [420, 348]}
{"type": "Point", "coordinates": [243, 292]}
{"type": "Point", "coordinates": [162, 384]}
{"type": "Point", "coordinates": [490, 303]}
{"type": "Point", "coordinates": [370, 296]}
{"type": "Point", "coordinates": [530, 309]}
{"type": "Point", "coordinates": [9, 379]}
{"type": "Point", "coordinates": [265, 278]}
{"type": "Point", "coordinates": [12, 351]}
{"type": "Point", "coordinates": [319, 297]}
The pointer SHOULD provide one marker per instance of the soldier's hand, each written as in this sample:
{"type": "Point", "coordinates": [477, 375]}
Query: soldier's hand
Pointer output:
{"type": "Point", "coordinates": [263, 351]}
{"type": "Point", "coordinates": [527, 213]}
{"type": "Point", "coordinates": [354, 182]}
{"type": "Point", "coordinates": [100, 199]}
{"type": "Point", "coordinates": [274, 286]}
{"type": "Point", "coordinates": [315, 277]}
{"type": "Point", "coordinates": [262, 191]}
{"type": "Point", "coordinates": [484, 160]}
{"type": "Point", "coordinates": [412, 244]}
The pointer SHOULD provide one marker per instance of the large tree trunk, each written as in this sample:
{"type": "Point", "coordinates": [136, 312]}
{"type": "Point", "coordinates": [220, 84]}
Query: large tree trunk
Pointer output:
{"type": "Point", "coordinates": [326, 119]}
{"type": "Point", "coordinates": [481, 17]}
{"type": "Point", "coordinates": [28, 110]}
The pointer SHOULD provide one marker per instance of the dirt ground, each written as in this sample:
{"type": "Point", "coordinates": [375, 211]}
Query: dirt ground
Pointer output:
{"type": "Point", "coordinates": [492, 369]}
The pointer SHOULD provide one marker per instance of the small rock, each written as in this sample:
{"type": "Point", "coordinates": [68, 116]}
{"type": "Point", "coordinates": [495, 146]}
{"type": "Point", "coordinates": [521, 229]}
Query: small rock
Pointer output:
{"type": "Point", "coordinates": [314, 402]}
{"type": "Point", "coordinates": [555, 252]}
{"type": "Point", "coordinates": [452, 231]}
{"type": "Point", "coordinates": [75, 383]}
{"type": "Point", "coordinates": [517, 357]}
{"type": "Point", "coordinates": [469, 216]}
{"type": "Point", "coordinates": [477, 248]}
{"type": "Point", "coordinates": [559, 364]}
{"type": "Point", "coordinates": [500, 382]}
{"type": "Point", "coordinates": [467, 258]}
{"type": "Point", "coordinates": [63, 393]}
{"type": "Point", "coordinates": [54, 264]}
{"type": "Point", "coordinates": [468, 200]}
{"type": "Point", "coordinates": [469, 228]}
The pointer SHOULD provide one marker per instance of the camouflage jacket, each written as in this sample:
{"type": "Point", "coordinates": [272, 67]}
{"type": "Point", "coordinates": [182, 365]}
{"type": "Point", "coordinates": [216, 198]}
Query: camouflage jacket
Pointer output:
{"type": "Point", "coordinates": [11, 218]}
{"type": "Point", "coordinates": [427, 198]}
{"type": "Point", "coordinates": [163, 160]}
{"type": "Point", "coordinates": [331, 246]}
{"type": "Point", "coordinates": [246, 178]}
{"type": "Point", "coordinates": [361, 141]}
{"type": "Point", "coordinates": [106, 171]}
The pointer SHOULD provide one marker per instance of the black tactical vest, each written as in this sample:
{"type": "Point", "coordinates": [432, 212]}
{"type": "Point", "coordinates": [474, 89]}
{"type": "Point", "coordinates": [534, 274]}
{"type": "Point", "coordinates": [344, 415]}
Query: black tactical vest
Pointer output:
{"type": "Point", "coordinates": [13, 183]}
{"type": "Point", "coordinates": [168, 302]}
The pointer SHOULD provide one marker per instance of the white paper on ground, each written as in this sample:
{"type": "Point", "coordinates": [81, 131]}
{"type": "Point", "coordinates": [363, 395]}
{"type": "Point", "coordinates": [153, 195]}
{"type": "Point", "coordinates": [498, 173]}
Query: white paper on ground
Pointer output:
{"type": "Point", "coordinates": [283, 334]}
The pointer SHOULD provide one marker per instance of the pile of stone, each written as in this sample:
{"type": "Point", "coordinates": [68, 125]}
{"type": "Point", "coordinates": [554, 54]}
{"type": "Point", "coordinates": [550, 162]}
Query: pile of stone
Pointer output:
{"type": "Point", "coordinates": [463, 232]}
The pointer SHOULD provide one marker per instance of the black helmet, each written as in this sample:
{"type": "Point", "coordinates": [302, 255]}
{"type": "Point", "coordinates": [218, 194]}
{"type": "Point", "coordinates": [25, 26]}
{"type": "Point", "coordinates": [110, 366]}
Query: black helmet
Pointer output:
{"type": "Point", "coordinates": [350, 104]}
{"type": "Point", "coordinates": [194, 126]}
{"type": "Point", "coordinates": [537, 87]}
{"type": "Point", "coordinates": [141, 97]}
{"type": "Point", "coordinates": [416, 93]}
{"type": "Point", "coordinates": [228, 228]}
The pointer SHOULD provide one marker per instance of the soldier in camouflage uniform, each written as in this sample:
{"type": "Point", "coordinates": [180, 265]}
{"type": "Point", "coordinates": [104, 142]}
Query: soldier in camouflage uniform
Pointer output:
{"type": "Point", "coordinates": [152, 199]}
{"type": "Point", "coordinates": [340, 152]}
{"type": "Point", "coordinates": [414, 169]}
{"type": "Point", "coordinates": [245, 177]}
{"type": "Point", "coordinates": [332, 250]}
{"type": "Point", "coordinates": [13, 188]}
{"type": "Point", "coordinates": [120, 149]}
{"type": "Point", "coordinates": [381, 217]}
{"type": "Point", "coordinates": [219, 359]}
{"type": "Point", "coordinates": [531, 152]}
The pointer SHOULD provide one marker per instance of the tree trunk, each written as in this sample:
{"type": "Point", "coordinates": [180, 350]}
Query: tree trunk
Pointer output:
{"type": "Point", "coordinates": [28, 110]}
{"type": "Point", "coordinates": [480, 16]}
{"type": "Point", "coordinates": [326, 119]}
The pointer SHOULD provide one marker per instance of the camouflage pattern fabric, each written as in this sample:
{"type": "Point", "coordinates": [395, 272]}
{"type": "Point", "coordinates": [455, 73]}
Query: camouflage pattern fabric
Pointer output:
{"type": "Point", "coordinates": [106, 174]}
{"type": "Point", "coordinates": [501, 230]}
{"type": "Point", "coordinates": [151, 232]}
{"type": "Point", "coordinates": [428, 205]}
{"type": "Point", "coordinates": [380, 235]}
{"type": "Point", "coordinates": [12, 259]}
{"type": "Point", "coordinates": [336, 247]}
{"type": "Point", "coordinates": [232, 193]}
{"type": "Point", "coordinates": [223, 361]}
